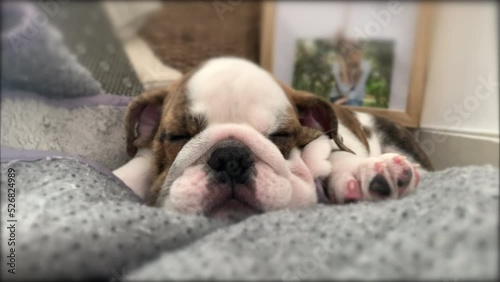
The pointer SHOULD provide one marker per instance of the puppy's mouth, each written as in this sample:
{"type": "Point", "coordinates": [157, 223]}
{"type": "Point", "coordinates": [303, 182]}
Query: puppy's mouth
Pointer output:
{"type": "Point", "coordinates": [232, 182]}
{"type": "Point", "coordinates": [232, 208]}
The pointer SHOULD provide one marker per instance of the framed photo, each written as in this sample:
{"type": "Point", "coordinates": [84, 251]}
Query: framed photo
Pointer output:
{"type": "Point", "coordinates": [369, 56]}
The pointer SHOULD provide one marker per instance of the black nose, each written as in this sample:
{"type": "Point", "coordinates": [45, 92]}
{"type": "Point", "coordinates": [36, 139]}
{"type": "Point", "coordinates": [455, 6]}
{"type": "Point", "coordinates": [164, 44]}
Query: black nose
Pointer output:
{"type": "Point", "coordinates": [231, 163]}
{"type": "Point", "coordinates": [379, 186]}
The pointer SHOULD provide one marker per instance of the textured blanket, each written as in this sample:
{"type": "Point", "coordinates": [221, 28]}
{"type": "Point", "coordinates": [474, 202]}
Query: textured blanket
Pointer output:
{"type": "Point", "coordinates": [77, 221]}
{"type": "Point", "coordinates": [73, 219]}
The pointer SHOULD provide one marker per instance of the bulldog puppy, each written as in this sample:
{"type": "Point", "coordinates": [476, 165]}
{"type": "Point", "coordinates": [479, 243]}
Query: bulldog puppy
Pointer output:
{"type": "Point", "coordinates": [229, 138]}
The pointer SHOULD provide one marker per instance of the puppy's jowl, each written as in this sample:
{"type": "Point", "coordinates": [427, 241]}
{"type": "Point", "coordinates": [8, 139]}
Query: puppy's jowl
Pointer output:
{"type": "Point", "coordinates": [229, 138]}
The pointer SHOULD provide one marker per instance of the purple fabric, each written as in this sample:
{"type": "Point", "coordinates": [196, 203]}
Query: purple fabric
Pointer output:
{"type": "Point", "coordinates": [9, 154]}
{"type": "Point", "coordinates": [96, 100]}
{"type": "Point", "coordinates": [320, 192]}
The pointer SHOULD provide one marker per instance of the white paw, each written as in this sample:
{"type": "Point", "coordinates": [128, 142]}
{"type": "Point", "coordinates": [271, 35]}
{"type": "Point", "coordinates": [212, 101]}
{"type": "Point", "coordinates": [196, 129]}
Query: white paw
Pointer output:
{"type": "Point", "coordinates": [388, 176]}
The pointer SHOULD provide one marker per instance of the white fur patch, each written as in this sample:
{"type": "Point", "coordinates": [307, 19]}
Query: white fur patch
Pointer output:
{"type": "Point", "coordinates": [352, 141]}
{"type": "Point", "coordinates": [374, 141]}
{"type": "Point", "coordinates": [232, 90]}
{"type": "Point", "coordinates": [316, 156]}
{"type": "Point", "coordinates": [136, 173]}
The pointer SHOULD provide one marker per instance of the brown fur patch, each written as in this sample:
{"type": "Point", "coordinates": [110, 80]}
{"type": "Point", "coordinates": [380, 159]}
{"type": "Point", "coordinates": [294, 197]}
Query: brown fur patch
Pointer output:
{"type": "Point", "coordinates": [306, 136]}
{"type": "Point", "coordinates": [172, 102]}
{"type": "Point", "coordinates": [367, 132]}
{"type": "Point", "coordinates": [349, 120]}
{"type": "Point", "coordinates": [175, 121]}
{"type": "Point", "coordinates": [305, 101]}
{"type": "Point", "coordinates": [134, 110]}
{"type": "Point", "coordinates": [287, 136]}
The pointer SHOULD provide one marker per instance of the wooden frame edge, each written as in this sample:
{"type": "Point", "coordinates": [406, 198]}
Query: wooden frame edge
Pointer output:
{"type": "Point", "coordinates": [420, 61]}
{"type": "Point", "coordinates": [267, 34]}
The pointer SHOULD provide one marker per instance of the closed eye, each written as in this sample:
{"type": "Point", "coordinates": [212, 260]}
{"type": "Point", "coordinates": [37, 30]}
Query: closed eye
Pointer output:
{"type": "Point", "coordinates": [281, 134]}
{"type": "Point", "coordinates": [284, 140]}
{"type": "Point", "coordinates": [174, 137]}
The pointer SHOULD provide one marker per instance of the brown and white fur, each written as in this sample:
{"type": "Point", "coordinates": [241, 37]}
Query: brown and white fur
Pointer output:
{"type": "Point", "coordinates": [228, 137]}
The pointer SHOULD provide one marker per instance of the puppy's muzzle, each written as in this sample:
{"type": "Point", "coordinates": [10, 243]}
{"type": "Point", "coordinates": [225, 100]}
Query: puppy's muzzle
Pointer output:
{"type": "Point", "coordinates": [231, 162]}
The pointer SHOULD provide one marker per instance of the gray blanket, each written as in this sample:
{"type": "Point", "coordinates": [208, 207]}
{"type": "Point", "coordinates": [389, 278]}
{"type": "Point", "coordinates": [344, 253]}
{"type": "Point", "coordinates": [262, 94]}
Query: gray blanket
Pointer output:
{"type": "Point", "coordinates": [75, 220]}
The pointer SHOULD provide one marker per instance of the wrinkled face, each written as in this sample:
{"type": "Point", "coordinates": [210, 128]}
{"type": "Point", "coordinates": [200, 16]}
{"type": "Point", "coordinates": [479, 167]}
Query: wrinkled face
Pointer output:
{"type": "Point", "coordinates": [229, 138]}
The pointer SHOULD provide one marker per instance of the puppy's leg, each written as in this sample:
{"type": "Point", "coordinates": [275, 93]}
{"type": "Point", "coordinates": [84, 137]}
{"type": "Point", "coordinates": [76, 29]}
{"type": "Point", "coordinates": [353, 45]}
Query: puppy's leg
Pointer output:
{"type": "Point", "coordinates": [136, 174]}
{"type": "Point", "coordinates": [386, 162]}
{"type": "Point", "coordinates": [354, 178]}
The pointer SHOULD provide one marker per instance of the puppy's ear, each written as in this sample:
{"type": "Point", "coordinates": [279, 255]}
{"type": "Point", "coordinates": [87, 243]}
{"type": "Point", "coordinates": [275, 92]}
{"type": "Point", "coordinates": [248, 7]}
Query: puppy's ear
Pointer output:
{"type": "Point", "coordinates": [315, 112]}
{"type": "Point", "coordinates": [143, 118]}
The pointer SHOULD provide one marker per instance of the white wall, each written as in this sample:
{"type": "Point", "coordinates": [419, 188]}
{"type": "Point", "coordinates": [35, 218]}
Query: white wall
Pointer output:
{"type": "Point", "coordinates": [459, 124]}
{"type": "Point", "coordinates": [463, 58]}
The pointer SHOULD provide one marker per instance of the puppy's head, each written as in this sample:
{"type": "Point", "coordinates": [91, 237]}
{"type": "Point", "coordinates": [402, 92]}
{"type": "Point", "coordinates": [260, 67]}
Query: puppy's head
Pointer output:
{"type": "Point", "coordinates": [227, 137]}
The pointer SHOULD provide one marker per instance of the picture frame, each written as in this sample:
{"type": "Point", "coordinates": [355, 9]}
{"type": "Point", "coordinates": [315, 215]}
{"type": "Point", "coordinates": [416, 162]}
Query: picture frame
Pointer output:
{"type": "Point", "coordinates": [408, 115]}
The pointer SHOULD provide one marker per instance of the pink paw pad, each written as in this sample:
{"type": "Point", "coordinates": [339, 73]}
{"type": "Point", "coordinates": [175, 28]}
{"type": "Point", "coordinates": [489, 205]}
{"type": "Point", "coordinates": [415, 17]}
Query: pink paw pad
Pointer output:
{"type": "Point", "coordinates": [380, 167]}
{"type": "Point", "coordinates": [400, 160]}
{"type": "Point", "coordinates": [353, 191]}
